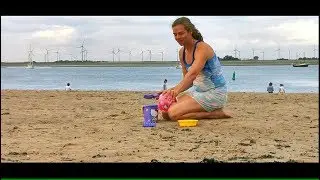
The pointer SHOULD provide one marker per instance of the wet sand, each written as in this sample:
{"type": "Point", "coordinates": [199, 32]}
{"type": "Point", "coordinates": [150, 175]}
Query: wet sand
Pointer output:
{"type": "Point", "coordinates": [101, 126]}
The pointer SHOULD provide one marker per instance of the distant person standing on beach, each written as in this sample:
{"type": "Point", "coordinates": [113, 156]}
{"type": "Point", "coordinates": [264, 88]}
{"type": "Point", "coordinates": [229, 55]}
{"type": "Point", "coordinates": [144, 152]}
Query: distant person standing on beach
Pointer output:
{"type": "Point", "coordinates": [270, 88]}
{"type": "Point", "coordinates": [165, 84]}
{"type": "Point", "coordinates": [68, 87]}
{"type": "Point", "coordinates": [202, 93]}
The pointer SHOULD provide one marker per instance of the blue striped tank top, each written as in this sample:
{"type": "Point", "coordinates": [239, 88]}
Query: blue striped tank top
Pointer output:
{"type": "Point", "coordinates": [211, 76]}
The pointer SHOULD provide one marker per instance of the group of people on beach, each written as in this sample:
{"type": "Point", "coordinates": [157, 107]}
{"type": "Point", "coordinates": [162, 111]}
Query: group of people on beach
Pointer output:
{"type": "Point", "coordinates": [270, 88]}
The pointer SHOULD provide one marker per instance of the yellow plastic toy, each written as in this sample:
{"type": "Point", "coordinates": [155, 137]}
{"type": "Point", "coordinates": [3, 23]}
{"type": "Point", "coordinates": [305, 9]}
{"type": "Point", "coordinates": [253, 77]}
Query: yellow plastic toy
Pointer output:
{"type": "Point", "coordinates": [188, 122]}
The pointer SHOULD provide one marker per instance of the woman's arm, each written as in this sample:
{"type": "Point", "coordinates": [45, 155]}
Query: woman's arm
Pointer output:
{"type": "Point", "coordinates": [201, 56]}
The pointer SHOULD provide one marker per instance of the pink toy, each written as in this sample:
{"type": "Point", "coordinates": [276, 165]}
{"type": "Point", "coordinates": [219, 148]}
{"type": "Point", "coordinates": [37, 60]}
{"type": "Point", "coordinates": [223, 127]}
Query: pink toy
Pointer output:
{"type": "Point", "coordinates": [165, 102]}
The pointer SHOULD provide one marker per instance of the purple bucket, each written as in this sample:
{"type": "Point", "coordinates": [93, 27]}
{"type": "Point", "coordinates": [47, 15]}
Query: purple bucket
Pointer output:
{"type": "Point", "coordinates": [150, 114]}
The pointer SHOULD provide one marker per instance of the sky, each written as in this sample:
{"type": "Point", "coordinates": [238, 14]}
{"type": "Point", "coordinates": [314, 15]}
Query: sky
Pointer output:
{"type": "Point", "coordinates": [252, 35]}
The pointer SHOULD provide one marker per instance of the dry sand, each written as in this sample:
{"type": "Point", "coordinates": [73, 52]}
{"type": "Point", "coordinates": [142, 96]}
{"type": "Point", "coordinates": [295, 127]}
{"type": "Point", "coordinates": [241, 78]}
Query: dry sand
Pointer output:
{"type": "Point", "coordinates": [100, 126]}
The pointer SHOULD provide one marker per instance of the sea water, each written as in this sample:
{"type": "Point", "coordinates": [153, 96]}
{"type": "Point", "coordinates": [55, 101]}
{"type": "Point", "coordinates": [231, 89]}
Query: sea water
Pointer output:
{"type": "Point", "coordinates": [247, 78]}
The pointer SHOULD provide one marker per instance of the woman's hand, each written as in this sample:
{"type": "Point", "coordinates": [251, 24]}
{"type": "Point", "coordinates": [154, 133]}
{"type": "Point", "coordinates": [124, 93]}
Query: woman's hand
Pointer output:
{"type": "Point", "coordinates": [172, 92]}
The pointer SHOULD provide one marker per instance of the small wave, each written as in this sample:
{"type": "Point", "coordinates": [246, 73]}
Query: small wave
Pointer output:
{"type": "Point", "coordinates": [44, 67]}
{"type": "Point", "coordinates": [306, 83]}
{"type": "Point", "coordinates": [14, 67]}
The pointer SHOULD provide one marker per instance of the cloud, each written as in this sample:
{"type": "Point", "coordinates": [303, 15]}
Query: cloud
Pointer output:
{"type": "Point", "coordinates": [59, 34]}
{"type": "Point", "coordinates": [102, 34]}
{"type": "Point", "coordinates": [299, 32]}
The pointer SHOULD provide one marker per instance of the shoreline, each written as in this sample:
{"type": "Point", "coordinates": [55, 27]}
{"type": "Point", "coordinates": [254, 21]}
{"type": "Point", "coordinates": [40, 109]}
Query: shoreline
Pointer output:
{"type": "Point", "coordinates": [153, 63]}
{"type": "Point", "coordinates": [106, 126]}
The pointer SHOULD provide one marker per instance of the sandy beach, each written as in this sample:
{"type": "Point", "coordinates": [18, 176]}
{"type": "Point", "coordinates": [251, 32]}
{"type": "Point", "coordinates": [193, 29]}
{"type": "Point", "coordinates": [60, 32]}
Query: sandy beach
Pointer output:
{"type": "Point", "coordinates": [101, 126]}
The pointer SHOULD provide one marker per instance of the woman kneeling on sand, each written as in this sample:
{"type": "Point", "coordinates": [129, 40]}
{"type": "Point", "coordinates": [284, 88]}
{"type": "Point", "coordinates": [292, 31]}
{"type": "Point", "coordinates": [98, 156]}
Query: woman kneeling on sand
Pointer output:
{"type": "Point", "coordinates": [202, 93]}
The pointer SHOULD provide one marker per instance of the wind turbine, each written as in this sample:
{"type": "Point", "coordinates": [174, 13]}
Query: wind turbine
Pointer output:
{"type": "Point", "coordinates": [149, 53]}
{"type": "Point", "coordinates": [118, 52]}
{"type": "Point", "coordinates": [235, 51]}
{"type": "Point", "coordinates": [83, 54]}
{"type": "Point", "coordinates": [45, 57]}
{"type": "Point", "coordinates": [30, 65]}
{"type": "Point", "coordinates": [57, 55]}
{"type": "Point", "coordinates": [161, 52]}
{"type": "Point", "coordinates": [314, 51]}
{"type": "Point", "coordinates": [278, 51]}
{"type": "Point", "coordinates": [141, 54]}
{"type": "Point", "coordinates": [253, 53]}
{"type": "Point", "coordinates": [289, 55]}
{"type": "Point", "coordinates": [298, 55]}
{"type": "Point", "coordinates": [82, 50]}
{"type": "Point", "coordinates": [47, 54]}
{"type": "Point", "coordinates": [239, 53]}
{"type": "Point", "coordinates": [113, 53]}
{"type": "Point", "coordinates": [130, 54]}
{"type": "Point", "coordinates": [262, 55]}
{"type": "Point", "coordinates": [70, 56]}
{"type": "Point", "coordinates": [86, 54]}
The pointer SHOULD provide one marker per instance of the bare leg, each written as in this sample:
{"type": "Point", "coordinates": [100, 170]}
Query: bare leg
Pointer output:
{"type": "Point", "coordinates": [216, 114]}
{"type": "Point", "coordinates": [189, 108]}
{"type": "Point", "coordinates": [180, 99]}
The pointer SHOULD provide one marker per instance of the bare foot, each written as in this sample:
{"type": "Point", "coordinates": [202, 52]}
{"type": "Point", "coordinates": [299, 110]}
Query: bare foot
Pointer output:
{"type": "Point", "coordinates": [227, 112]}
{"type": "Point", "coordinates": [221, 113]}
